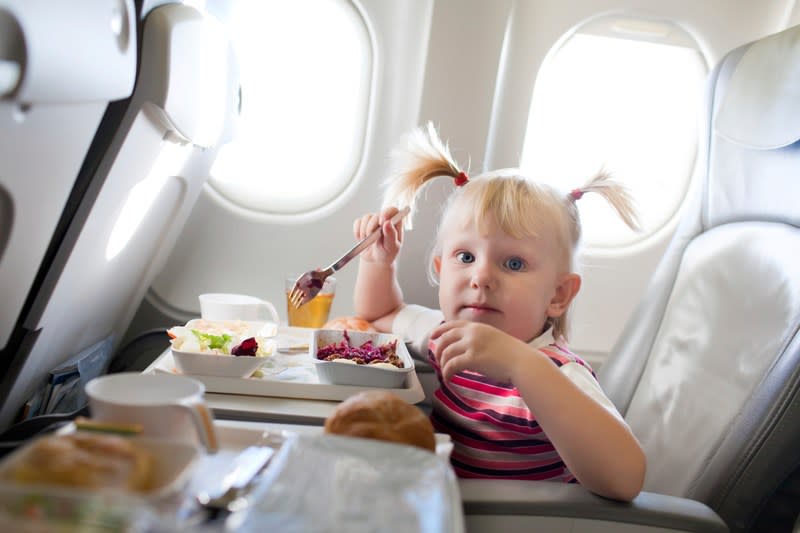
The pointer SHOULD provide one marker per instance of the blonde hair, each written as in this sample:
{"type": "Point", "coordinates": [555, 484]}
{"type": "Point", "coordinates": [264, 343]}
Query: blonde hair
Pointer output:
{"type": "Point", "coordinates": [521, 207]}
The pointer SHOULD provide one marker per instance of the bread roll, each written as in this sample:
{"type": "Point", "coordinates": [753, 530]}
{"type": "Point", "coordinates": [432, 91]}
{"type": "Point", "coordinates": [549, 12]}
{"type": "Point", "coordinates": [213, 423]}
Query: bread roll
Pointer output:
{"type": "Point", "coordinates": [92, 461]}
{"type": "Point", "coordinates": [384, 416]}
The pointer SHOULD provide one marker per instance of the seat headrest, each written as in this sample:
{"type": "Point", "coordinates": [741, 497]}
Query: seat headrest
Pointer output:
{"type": "Point", "coordinates": [762, 100]}
{"type": "Point", "coordinates": [67, 52]}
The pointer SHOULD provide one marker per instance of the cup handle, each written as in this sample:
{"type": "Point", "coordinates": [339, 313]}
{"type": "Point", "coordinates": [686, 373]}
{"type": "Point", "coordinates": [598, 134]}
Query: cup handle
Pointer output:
{"type": "Point", "coordinates": [272, 311]}
{"type": "Point", "coordinates": [204, 423]}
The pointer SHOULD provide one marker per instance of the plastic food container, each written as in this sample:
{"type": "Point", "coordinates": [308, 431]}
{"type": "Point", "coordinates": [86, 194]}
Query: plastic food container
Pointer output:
{"type": "Point", "coordinates": [201, 363]}
{"type": "Point", "coordinates": [227, 366]}
{"type": "Point", "coordinates": [172, 470]}
{"type": "Point", "coordinates": [316, 481]}
{"type": "Point", "coordinates": [342, 373]}
{"type": "Point", "coordinates": [50, 509]}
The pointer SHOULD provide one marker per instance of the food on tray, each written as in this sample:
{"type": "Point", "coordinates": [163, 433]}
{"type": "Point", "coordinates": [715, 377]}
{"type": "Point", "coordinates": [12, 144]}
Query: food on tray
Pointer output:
{"type": "Point", "coordinates": [92, 461]}
{"type": "Point", "coordinates": [353, 323]}
{"type": "Point", "coordinates": [248, 346]}
{"type": "Point", "coordinates": [382, 415]}
{"type": "Point", "coordinates": [220, 337]}
{"type": "Point", "coordinates": [384, 355]}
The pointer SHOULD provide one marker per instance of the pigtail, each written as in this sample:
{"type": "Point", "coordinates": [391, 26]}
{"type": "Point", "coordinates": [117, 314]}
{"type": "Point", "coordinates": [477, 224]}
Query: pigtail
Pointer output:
{"type": "Point", "coordinates": [423, 158]}
{"type": "Point", "coordinates": [615, 194]}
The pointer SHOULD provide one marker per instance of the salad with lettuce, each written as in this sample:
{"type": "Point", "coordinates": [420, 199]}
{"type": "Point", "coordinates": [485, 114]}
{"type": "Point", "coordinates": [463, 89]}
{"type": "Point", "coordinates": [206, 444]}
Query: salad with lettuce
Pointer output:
{"type": "Point", "coordinates": [224, 337]}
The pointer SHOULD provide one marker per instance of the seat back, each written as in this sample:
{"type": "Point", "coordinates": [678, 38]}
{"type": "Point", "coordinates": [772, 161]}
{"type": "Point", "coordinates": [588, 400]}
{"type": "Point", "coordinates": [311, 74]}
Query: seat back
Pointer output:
{"type": "Point", "coordinates": [183, 106]}
{"type": "Point", "coordinates": [61, 64]}
{"type": "Point", "coordinates": [707, 372]}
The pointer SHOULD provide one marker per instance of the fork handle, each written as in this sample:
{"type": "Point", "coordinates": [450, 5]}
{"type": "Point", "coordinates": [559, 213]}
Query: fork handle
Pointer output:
{"type": "Point", "coordinates": [364, 243]}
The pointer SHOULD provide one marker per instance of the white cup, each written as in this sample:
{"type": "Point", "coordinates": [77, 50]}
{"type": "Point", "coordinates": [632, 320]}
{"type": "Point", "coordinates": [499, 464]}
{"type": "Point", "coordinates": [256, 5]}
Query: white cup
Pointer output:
{"type": "Point", "coordinates": [165, 405]}
{"type": "Point", "coordinates": [225, 306]}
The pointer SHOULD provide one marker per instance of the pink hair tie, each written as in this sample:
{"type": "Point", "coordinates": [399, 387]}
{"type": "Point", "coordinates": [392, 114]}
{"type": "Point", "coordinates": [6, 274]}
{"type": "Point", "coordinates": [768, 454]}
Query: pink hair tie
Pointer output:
{"type": "Point", "coordinates": [461, 179]}
{"type": "Point", "coordinates": [576, 194]}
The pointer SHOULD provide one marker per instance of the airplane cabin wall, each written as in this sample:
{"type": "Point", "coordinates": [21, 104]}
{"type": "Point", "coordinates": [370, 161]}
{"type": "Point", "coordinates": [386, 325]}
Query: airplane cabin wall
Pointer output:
{"type": "Point", "coordinates": [440, 60]}
{"type": "Point", "coordinates": [463, 57]}
{"type": "Point", "coordinates": [227, 249]}
{"type": "Point", "coordinates": [793, 14]}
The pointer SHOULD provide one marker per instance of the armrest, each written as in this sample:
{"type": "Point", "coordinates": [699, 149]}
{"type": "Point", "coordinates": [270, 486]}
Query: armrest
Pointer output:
{"type": "Point", "coordinates": [498, 505]}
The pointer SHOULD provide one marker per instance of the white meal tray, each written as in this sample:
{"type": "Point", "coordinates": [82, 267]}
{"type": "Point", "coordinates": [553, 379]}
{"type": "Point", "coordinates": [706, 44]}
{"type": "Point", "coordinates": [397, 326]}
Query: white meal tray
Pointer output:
{"type": "Point", "coordinates": [236, 435]}
{"type": "Point", "coordinates": [302, 484]}
{"type": "Point", "coordinates": [288, 375]}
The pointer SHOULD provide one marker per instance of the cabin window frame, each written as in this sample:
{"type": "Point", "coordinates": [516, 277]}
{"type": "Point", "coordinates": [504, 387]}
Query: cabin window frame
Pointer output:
{"type": "Point", "coordinates": [602, 228]}
{"type": "Point", "coordinates": [291, 204]}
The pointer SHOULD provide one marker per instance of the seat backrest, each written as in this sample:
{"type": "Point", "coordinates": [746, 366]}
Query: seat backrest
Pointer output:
{"type": "Point", "coordinates": [183, 106]}
{"type": "Point", "coordinates": [61, 64]}
{"type": "Point", "coordinates": [707, 372]}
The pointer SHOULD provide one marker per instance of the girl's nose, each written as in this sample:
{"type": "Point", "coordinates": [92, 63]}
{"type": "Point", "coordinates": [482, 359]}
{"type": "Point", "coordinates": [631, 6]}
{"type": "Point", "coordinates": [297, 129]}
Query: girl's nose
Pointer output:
{"type": "Point", "coordinates": [483, 276]}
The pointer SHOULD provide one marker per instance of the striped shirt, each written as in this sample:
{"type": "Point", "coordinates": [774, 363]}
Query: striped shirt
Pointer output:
{"type": "Point", "coordinates": [494, 433]}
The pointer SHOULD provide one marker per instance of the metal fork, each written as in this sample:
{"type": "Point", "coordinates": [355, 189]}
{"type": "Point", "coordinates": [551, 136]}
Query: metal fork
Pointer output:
{"type": "Point", "coordinates": [309, 284]}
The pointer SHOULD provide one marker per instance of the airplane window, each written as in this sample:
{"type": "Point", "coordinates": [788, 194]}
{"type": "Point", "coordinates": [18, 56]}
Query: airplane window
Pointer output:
{"type": "Point", "coordinates": [306, 71]}
{"type": "Point", "coordinates": [627, 105]}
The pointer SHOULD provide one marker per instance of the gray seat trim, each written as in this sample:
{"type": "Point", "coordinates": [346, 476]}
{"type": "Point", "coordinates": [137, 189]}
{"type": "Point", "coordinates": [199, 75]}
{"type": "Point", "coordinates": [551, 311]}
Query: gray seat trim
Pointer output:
{"type": "Point", "coordinates": [542, 498]}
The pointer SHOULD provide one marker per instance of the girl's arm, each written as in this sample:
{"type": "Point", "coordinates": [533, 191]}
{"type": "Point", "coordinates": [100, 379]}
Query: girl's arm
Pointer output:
{"type": "Point", "coordinates": [594, 442]}
{"type": "Point", "coordinates": [378, 296]}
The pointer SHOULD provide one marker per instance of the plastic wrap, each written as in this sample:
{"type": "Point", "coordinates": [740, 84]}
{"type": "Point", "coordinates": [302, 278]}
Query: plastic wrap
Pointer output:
{"type": "Point", "coordinates": [329, 483]}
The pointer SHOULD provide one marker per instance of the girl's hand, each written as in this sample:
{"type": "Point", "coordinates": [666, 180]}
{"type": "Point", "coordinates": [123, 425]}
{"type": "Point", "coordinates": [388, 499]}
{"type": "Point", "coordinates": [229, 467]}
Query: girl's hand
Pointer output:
{"type": "Point", "coordinates": [461, 345]}
{"type": "Point", "coordinates": [388, 245]}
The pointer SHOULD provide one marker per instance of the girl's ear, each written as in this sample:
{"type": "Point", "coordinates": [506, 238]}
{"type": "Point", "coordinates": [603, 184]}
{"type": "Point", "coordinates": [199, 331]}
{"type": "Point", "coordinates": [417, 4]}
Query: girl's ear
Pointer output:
{"type": "Point", "coordinates": [437, 264]}
{"type": "Point", "coordinates": [566, 290]}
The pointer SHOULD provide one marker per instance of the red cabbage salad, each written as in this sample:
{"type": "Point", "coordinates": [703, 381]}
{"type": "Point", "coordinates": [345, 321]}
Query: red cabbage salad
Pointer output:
{"type": "Point", "coordinates": [366, 354]}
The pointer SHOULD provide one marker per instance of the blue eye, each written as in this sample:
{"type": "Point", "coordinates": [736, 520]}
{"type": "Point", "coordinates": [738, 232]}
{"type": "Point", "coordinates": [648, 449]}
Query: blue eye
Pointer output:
{"type": "Point", "coordinates": [465, 257]}
{"type": "Point", "coordinates": [515, 264]}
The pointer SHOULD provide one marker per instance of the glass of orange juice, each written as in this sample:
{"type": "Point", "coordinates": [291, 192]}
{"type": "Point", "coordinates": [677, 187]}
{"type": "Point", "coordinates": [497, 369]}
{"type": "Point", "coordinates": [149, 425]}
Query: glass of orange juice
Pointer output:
{"type": "Point", "coordinates": [315, 313]}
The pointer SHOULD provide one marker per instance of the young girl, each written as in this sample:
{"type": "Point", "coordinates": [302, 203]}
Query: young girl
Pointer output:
{"type": "Point", "coordinates": [516, 402]}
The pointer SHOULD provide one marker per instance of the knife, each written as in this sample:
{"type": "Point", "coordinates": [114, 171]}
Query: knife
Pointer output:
{"type": "Point", "coordinates": [245, 466]}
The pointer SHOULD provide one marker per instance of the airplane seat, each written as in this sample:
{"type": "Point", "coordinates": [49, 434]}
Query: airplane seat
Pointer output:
{"type": "Point", "coordinates": [60, 67]}
{"type": "Point", "coordinates": [65, 72]}
{"type": "Point", "coordinates": [184, 104]}
{"type": "Point", "coordinates": [707, 371]}
{"type": "Point", "coordinates": [721, 317]}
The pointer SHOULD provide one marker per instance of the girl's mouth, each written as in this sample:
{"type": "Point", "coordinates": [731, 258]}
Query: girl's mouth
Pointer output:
{"type": "Point", "coordinates": [479, 309]}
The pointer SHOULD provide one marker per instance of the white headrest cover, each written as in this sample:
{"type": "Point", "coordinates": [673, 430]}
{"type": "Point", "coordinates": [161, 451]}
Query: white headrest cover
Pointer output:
{"type": "Point", "coordinates": [762, 102]}
{"type": "Point", "coordinates": [72, 52]}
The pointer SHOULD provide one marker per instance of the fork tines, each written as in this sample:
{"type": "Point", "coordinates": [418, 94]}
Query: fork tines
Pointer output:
{"type": "Point", "coordinates": [297, 296]}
